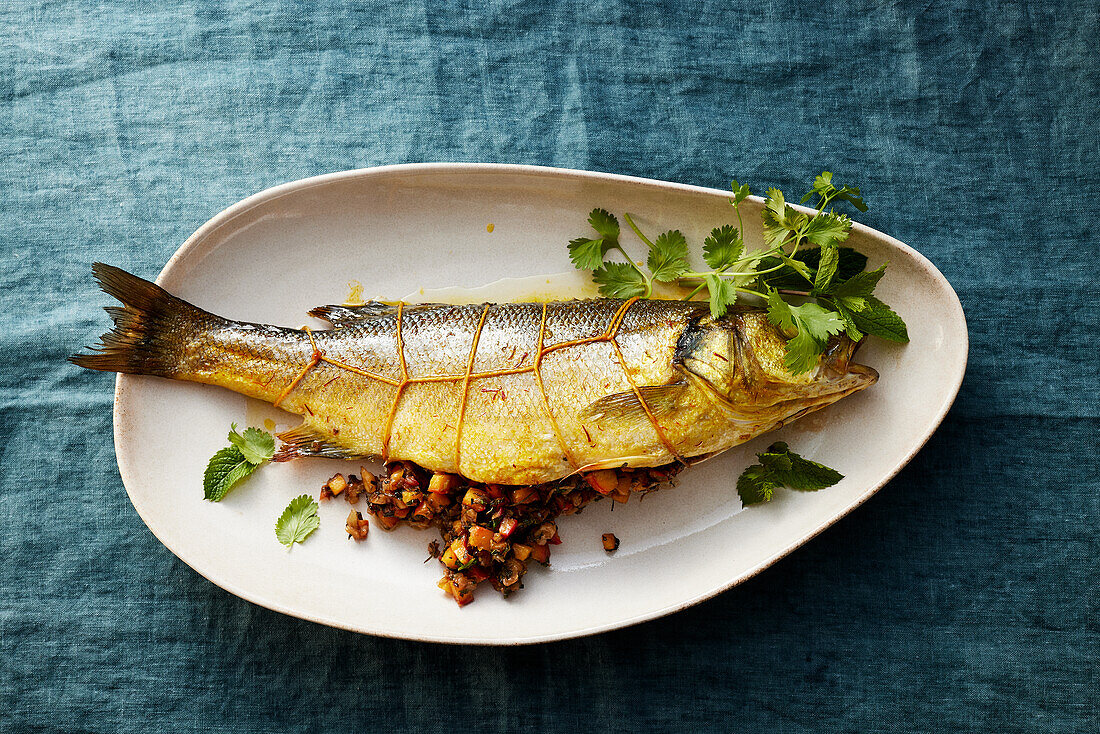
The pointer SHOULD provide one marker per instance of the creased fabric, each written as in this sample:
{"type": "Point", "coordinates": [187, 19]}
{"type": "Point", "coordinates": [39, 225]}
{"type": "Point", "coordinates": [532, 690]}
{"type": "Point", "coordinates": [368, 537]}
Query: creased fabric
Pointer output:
{"type": "Point", "coordinates": [963, 597]}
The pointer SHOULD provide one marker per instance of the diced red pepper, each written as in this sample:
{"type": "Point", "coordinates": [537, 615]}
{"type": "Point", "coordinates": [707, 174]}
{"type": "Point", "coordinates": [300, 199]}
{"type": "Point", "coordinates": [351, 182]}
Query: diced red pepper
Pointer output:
{"type": "Point", "coordinates": [508, 526]}
{"type": "Point", "coordinates": [556, 540]}
{"type": "Point", "coordinates": [478, 573]}
{"type": "Point", "coordinates": [494, 491]}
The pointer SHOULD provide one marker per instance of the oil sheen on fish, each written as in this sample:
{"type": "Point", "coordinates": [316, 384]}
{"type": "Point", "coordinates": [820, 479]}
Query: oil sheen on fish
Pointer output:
{"type": "Point", "coordinates": [510, 393]}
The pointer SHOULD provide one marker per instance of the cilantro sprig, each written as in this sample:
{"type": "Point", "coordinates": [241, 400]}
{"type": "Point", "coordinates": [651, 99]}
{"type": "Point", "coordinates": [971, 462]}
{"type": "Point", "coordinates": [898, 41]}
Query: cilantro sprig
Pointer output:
{"type": "Point", "coordinates": [804, 261]}
{"type": "Point", "coordinates": [781, 467]}
{"type": "Point", "coordinates": [235, 462]}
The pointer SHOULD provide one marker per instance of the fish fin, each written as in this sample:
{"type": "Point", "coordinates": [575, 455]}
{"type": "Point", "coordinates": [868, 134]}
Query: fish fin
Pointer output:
{"type": "Point", "coordinates": [661, 399]}
{"type": "Point", "coordinates": [343, 315]}
{"type": "Point", "coordinates": [150, 328]}
{"type": "Point", "coordinates": [308, 440]}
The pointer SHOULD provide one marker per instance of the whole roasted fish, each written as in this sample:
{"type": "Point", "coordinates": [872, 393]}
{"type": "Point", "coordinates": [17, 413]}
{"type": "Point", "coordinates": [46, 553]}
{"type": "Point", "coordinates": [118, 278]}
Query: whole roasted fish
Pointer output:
{"type": "Point", "coordinates": [511, 393]}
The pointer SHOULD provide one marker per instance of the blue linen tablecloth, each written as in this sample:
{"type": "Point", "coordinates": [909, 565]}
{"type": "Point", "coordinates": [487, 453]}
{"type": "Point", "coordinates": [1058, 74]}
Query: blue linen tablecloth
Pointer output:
{"type": "Point", "coordinates": [963, 597]}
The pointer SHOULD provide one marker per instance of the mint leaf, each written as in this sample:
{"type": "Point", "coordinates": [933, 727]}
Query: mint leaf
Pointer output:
{"type": "Point", "coordinates": [298, 520]}
{"type": "Point", "coordinates": [723, 248]}
{"type": "Point", "coordinates": [781, 467]}
{"type": "Point", "coordinates": [723, 294]}
{"type": "Point", "coordinates": [605, 223]}
{"type": "Point", "coordinates": [791, 470]}
{"type": "Point", "coordinates": [225, 468]}
{"type": "Point", "coordinates": [668, 256]}
{"type": "Point", "coordinates": [826, 269]}
{"type": "Point", "coordinates": [587, 253]}
{"type": "Point", "coordinates": [880, 320]}
{"type": "Point", "coordinates": [755, 485]}
{"type": "Point", "coordinates": [619, 280]}
{"type": "Point", "coordinates": [257, 446]}
{"type": "Point", "coordinates": [850, 263]}
{"type": "Point", "coordinates": [860, 285]}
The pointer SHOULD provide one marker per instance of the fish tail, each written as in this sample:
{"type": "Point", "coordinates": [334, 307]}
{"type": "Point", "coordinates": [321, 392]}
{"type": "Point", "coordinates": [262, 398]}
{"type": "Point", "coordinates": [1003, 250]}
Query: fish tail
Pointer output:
{"type": "Point", "coordinates": [151, 329]}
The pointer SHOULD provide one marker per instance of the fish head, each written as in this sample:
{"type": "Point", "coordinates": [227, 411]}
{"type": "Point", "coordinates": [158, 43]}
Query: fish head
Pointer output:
{"type": "Point", "coordinates": [739, 358]}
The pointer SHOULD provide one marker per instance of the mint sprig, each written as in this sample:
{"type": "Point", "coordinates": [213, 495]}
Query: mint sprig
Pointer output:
{"type": "Point", "coordinates": [781, 467]}
{"type": "Point", "coordinates": [235, 462]}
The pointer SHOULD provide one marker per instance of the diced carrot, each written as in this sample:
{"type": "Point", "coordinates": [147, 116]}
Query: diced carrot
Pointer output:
{"type": "Point", "coordinates": [523, 495]}
{"type": "Point", "coordinates": [522, 552]}
{"type": "Point", "coordinates": [438, 500]}
{"type": "Point", "coordinates": [603, 481]}
{"type": "Point", "coordinates": [475, 498]}
{"type": "Point", "coordinates": [541, 553]}
{"type": "Point", "coordinates": [386, 523]}
{"type": "Point", "coordinates": [462, 553]}
{"type": "Point", "coordinates": [481, 538]}
{"type": "Point", "coordinates": [442, 483]}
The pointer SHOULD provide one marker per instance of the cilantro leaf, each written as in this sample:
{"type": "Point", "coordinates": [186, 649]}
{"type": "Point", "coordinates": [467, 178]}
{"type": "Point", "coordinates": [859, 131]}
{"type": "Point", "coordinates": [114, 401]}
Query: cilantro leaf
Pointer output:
{"type": "Point", "coordinates": [780, 220]}
{"type": "Point", "coordinates": [257, 446]}
{"type": "Point", "coordinates": [813, 324]}
{"type": "Point", "coordinates": [781, 467]}
{"type": "Point", "coordinates": [845, 311]}
{"type": "Point", "coordinates": [878, 319]}
{"type": "Point", "coordinates": [619, 280]}
{"type": "Point", "coordinates": [723, 248]}
{"type": "Point", "coordinates": [298, 520]}
{"type": "Point", "coordinates": [723, 294]}
{"type": "Point", "coordinates": [825, 189]}
{"type": "Point", "coordinates": [605, 224]}
{"type": "Point", "coordinates": [587, 253]}
{"type": "Point", "coordinates": [740, 192]}
{"type": "Point", "coordinates": [668, 256]}
{"type": "Point", "coordinates": [828, 229]}
{"type": "Point", "coordinates": [779, 313]}
{"type": "Point", "coordinates": [225, 468]}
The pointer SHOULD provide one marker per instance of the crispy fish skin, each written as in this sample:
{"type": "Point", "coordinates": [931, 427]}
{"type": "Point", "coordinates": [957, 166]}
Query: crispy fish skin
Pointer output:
{"type": "Point", "coordinates": [514, 393]}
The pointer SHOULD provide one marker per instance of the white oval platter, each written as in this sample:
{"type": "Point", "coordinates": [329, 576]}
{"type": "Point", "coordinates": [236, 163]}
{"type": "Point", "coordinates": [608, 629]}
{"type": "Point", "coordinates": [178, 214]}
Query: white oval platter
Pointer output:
{"type": "Point", "coordinates": [398, 229]}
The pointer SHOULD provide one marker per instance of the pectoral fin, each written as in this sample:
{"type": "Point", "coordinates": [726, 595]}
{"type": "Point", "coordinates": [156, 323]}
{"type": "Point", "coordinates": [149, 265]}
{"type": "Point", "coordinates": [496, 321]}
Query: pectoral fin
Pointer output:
{"type": "Point", "coordinates": [308, 440]}
{"type": "Point", "coordinates": [662, 400]}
